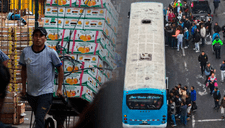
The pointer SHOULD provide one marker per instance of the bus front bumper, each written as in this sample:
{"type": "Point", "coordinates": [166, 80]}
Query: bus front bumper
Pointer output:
{"type": "Point", "coordinates": [144, 126]}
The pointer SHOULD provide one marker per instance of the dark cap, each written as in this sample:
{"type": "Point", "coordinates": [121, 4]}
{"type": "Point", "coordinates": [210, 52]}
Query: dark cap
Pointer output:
{"type": "Point", "coordinates": [42, 30]}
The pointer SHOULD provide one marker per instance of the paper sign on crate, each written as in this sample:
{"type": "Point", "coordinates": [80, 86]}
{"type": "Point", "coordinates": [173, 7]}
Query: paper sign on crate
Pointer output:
{"type": "Point", "coordinates": [51, 11]}
{"type": "Point", "coordinates": [76, 91]}
{"type": "Point", "coordinates": [86, 48]}
{"type": "Point", "coordinates": [52, 23]}
{"type": "Point", "coordinates": [73, 23]}
{"type": "Point", "coordinates": [74, 13]}
{"type": "Point", "coordinates": [69, 3]}
{"type": "Point", "coordinates": [89, 36]}
{"type": "Point", "coordinates": [58, 34]}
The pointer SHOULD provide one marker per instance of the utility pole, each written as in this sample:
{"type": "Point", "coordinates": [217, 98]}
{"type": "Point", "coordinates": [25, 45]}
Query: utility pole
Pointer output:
{"type": "Point", "coordinates": [36, 13]}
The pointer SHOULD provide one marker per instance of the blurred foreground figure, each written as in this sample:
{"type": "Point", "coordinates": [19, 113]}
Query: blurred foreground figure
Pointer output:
{"type": "Point", "coordinates": [106, 109]}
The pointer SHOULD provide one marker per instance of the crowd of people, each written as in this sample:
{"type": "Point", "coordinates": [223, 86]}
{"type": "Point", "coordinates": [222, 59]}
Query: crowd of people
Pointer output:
{"type": "Point", "coordinates": [182, 29]}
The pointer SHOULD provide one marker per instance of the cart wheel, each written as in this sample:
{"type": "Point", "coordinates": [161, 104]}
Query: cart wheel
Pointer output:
{"type": "Point", "coordinates": [49, 123]}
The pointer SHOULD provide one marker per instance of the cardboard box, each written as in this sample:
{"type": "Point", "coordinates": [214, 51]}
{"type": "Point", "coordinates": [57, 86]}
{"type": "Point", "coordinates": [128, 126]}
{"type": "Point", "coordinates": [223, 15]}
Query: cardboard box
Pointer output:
{"type": "Point", "coordinates": [108, 74]}
{"type": "Point", "coordinates": [74, 13]}
{"type": "Point", "coordinates": [90, 60]}
{"type": "Point", "coordinates": [68, 3]}
{"type": "Point", "coordinates": [87, 80]}
{"type": "Point", "coordinates": [52, 44]}
{"type": "Point", "coordinates": [73, 23]}
{"type": "Point", "coordinates": [110, 7]}
{"type": "Point", "coordinates": [9, 108]}
{"type": "Point", "coordinates": [52, 23]}
{"type": "Point", "coordinates": [113, 39]}
{"type": "Point", "coordinates": [8, 118]}
{"type": "Point", "coordinates": [89, 36]}
{"type": "Point", "coordinates": [51, 11]}
{"type": "Point", "coordinates": [96, 25]}
{"type": "Point", "coordinates": [57, 34]}
{"type": "Point", "coordinates": [86, 48]}
{"type": "Point", "coordinates": [77, 91]}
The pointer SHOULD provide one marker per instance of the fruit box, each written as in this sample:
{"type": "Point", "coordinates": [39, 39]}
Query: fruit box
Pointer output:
{"type": "Point", "coordinates": [87, 80]}
{"type": "Point", "coordinates": [90, 24]}
{"type": "Point", "coordinates": [52, 23]}
{"type": "Point", "coordinates": [110, 7]}
{"type": "Point", "coordinates": [57, 34]}
{"type": "Point", "coordinates": [68, 3]}
{"type": "Point", "coordinates": [107, 73]}
{"type": "Point", "coordinates": [92, 3]}
{"type": "Point", "coordinates": [89, 36]}
{"type": "Point", "coordinates": [114, 26]}
{"type": "Point", "coordinates": [52, 44]}
{"type": "Point", "coordinates": [51, 11]}
{"type": "Point", "coordinates": [90, 60]}
{"type": "Point", "coordinates": [111, 51]}
{"type": "Point", "coordinates": [74, 13]}
{"type": "Point", "coordinates": [98, 13]}
{"type": "Point", "coordinates": [71, 23]}
{"type": "Point", "coordinates": [77, 91]}
{"type": "Point", "coordinates": [86, 48]}
{"type": "Point", "coordinates": [113, 39]}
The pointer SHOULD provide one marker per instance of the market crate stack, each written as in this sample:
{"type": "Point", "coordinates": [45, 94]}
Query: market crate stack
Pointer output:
{"type": "Point", "coordinates": [87, 29]}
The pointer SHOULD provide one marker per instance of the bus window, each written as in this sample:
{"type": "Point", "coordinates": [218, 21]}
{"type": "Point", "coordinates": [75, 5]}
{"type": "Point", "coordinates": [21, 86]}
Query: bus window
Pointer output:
{"type": "Point", "coordinates": [144, 101]}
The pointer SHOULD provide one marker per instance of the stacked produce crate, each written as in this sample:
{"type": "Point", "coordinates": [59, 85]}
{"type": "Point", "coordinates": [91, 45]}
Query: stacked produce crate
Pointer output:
{"type": "Point", "coordinates": [87, 30]}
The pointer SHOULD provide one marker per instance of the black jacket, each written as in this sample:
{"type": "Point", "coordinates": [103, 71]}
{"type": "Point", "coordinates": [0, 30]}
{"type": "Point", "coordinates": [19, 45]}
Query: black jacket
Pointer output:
{"type": "Point", "coordinates": [202, 58]}
{"type": "Point", "coordinates": [187, 24]}
{"type": "Point", "coordinates": [188, 100]}
{"type": "Point", "coordinates": [209, 24]}
{"type": "Point", "coordinates": [216, 95]}
{"type": "Point", "coordinates": [222, 67]}
{"type": "Point", "coordinates": [217, 29]}
{"type": "Point", "coordinates": [178, 101]}
{"type": "Point", "coordinates": [223, 28]}
{"type": "Point", "coordinates": [197, 37]}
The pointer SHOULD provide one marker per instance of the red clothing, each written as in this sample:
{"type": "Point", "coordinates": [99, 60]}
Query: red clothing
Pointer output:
{"type": "Point", "coordinates": [212, 79]}
{"type": "Point", "coordinates": [171, 16]}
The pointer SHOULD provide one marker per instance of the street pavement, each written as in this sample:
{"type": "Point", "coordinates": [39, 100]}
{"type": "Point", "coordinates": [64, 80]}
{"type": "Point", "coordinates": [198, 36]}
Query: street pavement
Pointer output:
{"type": "Point", "coordinates": [179, 69]}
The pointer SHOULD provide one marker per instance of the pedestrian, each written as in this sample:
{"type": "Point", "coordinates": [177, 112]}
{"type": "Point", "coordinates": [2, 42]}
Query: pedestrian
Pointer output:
{"type": "Point", "coordinates": [181, 23]}
{"type": "Point", "coordinates": [203, 59]}
{"type": "Point", "coordinates": [188, 102]}
{"type": "Point", "coordinates": [216, 97]}
{"type": "Point", "coordinates": [212, 80]}
{"type": "Point", "coordinates": [193, 98]}
{"type": "Point", "coordinates": [174, 4]}
{"type": "Point", "coordinates": [179, 15]}
{"type": "Point", "coordinates": [4, 59]}
{"type": "Point", "coordinates": [179, 87]}
{"type": "Point", "coordinates": [38, 64]}
{"type": "Point", "coordinates": [183, 113]}
{"type": "Point", "coordinates": [5, 79]}
{"type": "Point", "coordinates": [172, 107]}
{"type": "Point", "coordinates": [217, 43]}
{"type": "Point", "coordinates": [178, 103]}
{"type": "Point", "coordinates": [223, 30]}
{"type": "Point", "coordinates": [222, 106]}
{"type": "Point", "coordinates": [173, 43]}
{"type": "Point", "coordinates": [187, 23]}
{"type": "Point", "coordinates": [177, 32]}
{"type": "Point", "coordinates": [216, 28]}
{"type": "Point", "coordinates": [187, 91]}
{"type": "Point", "coordinates": [171, 96]}
{"type": "Point", "coordinates": [183, 94]}
{"type": "Point", "coordinates": [169, 31]}
{"type": "Point", "coordinates": [193, 30]}
{"type": "Point", "coordinates": [208, 71]}
{"type": "Point", "coordinates": [183, 18]}
{"type": "Point", "coordinates": [203, 34]}
{"type": "Point", "coordinates": [180, 41]}
{"type": "Point", "coordinates": [215, 35]}
{"type": "Point", "coordinates": [197, 40]}
{"type": "Point", "coordinates": [178, 8]}
{"type": "Point", "coordinates": [167, 14]}
{"type": "Point", "coordinates": [222, 68]}
{"type": "Point", "coordinates": [171, 15]}
{"type": "Point", "coordinates": [208, 25]}
{"type": "Point", "coordinates": [185, 8]}
{"type": "Point", "coordinates": [186, 38]}
{"type": "Point", "coordinates": [207, 17]}
{"type": "Point", "coordinates": [216, 5]}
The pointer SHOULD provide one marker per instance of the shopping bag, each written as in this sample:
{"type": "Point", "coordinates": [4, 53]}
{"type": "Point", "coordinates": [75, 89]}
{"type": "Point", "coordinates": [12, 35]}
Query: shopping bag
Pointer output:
{"type": "Point", "coordinates": [207, 84]}
{"type": "Point", "coordinates": [215, 84]}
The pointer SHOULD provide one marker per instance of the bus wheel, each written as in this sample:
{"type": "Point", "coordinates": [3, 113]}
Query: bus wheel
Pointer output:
{"type": "Point", "coordinates": [49, 123]}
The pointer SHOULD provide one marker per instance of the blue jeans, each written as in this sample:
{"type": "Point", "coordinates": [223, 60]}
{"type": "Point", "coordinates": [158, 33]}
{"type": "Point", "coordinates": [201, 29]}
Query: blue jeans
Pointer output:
{"type": "Point", "coordinates": [40, 105]}
{"type": "Point", "coordinates": [173, 119]}
{"type": "Point", "coordinates": [173, 44]}
{"type": "Point", "coordinates": [179, 44]}
{"type": "Point", "coordinates": [183, 120]}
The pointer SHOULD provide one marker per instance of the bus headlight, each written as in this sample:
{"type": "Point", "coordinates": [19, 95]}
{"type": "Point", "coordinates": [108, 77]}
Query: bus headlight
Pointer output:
{"type": "Point", "coordinates": [125, 115]}
{"type": "Point", "coordinates": [163, 122]}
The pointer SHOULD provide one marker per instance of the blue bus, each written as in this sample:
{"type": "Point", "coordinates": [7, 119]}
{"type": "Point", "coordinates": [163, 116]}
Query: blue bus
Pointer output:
{"type": "Point", "coordinates": [145, 90]}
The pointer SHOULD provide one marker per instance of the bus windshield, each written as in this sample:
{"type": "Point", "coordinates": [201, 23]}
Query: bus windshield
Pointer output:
{"type": "Point", "coordinates": [144, 101]}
